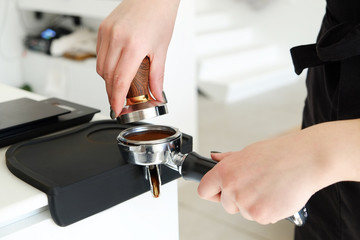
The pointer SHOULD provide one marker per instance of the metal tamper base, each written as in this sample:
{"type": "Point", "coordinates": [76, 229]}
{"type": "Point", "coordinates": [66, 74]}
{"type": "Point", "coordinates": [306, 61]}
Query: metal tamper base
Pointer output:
{"type": "Point", "coordinates": [142, 111]}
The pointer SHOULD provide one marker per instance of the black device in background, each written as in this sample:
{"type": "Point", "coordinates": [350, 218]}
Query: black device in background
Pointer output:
{"type": "Point", "coordinates": [43, 41]}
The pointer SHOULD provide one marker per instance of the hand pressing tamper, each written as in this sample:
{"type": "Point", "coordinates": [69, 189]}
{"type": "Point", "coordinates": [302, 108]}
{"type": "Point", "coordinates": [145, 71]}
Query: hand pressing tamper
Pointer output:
{"type": "Point", "coordinates": [140, 103]}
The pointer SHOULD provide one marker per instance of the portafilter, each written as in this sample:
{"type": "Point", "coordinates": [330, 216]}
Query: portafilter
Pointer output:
{"type": "Point", "coordinates": [154, 145]}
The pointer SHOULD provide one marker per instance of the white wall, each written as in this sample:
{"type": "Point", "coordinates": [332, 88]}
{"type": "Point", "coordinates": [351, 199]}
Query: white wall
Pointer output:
{"type": "Point", "coordinates": [11, 47]}
{"type": "Point", "coordinates": [243, 49]}
{"type": "Point", "coordinates": [180, 74]}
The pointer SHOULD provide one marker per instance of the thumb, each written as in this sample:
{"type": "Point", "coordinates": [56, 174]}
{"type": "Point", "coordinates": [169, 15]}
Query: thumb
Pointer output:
{"type": "Point", "coordinates": [156, 77]}
{"type": "Point", "coordinates": [218, 156]}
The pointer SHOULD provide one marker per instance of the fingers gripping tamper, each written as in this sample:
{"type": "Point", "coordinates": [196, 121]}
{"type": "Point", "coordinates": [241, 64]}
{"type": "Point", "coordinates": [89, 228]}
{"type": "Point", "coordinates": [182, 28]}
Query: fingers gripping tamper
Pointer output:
{"type": "Point", "coordinates": [140, 103]}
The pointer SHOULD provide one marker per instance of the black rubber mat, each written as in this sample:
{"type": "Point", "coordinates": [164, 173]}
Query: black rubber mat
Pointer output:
{"type": "Point", "coordinates": [81, 170]}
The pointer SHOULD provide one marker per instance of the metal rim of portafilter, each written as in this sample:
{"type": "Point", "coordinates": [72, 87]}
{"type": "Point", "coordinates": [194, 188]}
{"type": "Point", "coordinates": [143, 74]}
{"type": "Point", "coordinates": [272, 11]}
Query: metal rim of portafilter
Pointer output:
{"type": "Point", "coordinates": [150, 146]}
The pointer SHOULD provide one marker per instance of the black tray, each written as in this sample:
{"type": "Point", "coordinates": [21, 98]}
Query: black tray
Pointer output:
{"type": "Point", "coordinates": [23, 119]}
{"type": "Point", "coordinates": [81, 170]}
{"type": "Point", "coordinates": [25, 113]}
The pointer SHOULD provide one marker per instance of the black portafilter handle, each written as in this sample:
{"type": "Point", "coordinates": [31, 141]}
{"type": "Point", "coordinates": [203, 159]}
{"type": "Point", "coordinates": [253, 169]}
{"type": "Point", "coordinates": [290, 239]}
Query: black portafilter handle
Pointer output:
{"type": "Point", "coordinates": [195, 166]}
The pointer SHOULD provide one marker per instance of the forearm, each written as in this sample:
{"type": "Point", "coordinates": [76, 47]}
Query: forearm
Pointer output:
{"type": "Point", "coordinates": [272, 179]}
{"type": "Point", "coordinates": [337, 150]}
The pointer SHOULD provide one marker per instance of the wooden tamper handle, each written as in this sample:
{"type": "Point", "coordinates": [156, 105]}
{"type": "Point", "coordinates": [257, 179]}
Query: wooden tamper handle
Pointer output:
{"type": "Point", "coordinates": [139, 89]}
{"type": "Point", "coordinates": [140, 104]}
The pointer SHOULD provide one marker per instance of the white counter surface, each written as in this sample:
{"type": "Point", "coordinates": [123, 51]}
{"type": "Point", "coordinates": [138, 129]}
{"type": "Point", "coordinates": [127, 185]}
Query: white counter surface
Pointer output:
{"type": "Point", "coordinates": [24, 209]}
{"type": "Point", "coordinates": [18, 200]}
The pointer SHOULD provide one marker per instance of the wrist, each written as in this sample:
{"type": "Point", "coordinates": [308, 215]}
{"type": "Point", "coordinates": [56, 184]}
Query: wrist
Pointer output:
{"type": "Point", "coordinates": [337, 151]}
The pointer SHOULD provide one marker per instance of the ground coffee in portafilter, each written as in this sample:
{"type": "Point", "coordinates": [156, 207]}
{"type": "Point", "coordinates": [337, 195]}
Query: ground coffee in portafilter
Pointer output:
{"type": "Point", "coordinates": [149, 135]}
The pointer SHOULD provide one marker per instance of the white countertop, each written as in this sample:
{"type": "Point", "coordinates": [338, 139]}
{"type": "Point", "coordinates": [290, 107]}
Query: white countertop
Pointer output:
{"type": "Point", "coordinates": [18, 200]}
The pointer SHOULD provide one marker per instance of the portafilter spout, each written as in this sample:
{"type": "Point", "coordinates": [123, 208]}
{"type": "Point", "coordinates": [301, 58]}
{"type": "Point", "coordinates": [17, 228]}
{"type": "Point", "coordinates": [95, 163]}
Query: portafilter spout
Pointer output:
{"type": "Point", "coordinates": [152, 145]}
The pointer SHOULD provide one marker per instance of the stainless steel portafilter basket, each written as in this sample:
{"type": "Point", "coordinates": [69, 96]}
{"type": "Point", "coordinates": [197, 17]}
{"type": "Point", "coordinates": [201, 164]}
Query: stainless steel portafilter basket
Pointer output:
{"type": "Point", "coordinates": [152, 145]}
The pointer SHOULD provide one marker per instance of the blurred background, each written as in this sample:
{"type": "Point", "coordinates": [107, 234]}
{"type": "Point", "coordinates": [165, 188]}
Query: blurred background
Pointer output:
{"type": "Point", "coordinates": [229, 78]}
{"type": "Point", "coordinates": [248, 92]}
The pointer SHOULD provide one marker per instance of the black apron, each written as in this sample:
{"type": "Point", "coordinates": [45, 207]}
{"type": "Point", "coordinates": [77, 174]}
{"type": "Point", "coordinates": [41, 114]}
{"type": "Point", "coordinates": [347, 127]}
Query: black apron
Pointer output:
{"type": "Point", "coordinates": [333, 85]}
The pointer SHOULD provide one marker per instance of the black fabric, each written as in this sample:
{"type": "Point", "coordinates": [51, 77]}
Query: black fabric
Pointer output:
{"type": "Point", "coordinates": [333, 85]}
{"type": "Point", "coordinates": [338, 43]}
{"type": "Point", "coordinates": [305, 56]}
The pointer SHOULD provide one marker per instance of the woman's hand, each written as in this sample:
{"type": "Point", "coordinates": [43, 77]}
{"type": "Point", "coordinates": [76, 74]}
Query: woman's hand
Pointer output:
{"type": "Point", "coordinates": [273, 179]}
{"type": "Point", "coordinates": [134, 30]}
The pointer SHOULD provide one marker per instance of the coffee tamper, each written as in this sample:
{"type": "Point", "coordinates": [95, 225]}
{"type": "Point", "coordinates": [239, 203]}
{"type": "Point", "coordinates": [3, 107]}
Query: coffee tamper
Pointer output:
{"type": "Point", "coordinates": [154, 145]}
{"type": "Point", "coordinates": [140, 103]}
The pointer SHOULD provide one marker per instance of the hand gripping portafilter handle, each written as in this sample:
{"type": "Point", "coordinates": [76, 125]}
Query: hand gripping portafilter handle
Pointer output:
{"type": "Point", "coordinates": [194, 167]}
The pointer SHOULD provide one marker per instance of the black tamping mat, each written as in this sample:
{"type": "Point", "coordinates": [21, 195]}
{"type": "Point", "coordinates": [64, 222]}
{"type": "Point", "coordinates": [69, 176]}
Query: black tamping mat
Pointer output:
{"type": "Point", "coordinates": [82, 171]}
